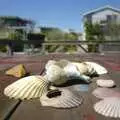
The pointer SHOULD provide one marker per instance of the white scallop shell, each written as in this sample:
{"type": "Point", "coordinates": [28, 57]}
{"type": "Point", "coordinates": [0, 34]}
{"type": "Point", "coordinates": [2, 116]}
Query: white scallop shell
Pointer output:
{"type": "Point", "coordinates": [27, 88]}
{"type": "Point", "coordinates": [66, 100]}
{"type": "Point", "coordinates": [71, 70]}
{"type": "Point", "coordinates": [49, 63]}
{"type": "Point", "coordinates": [98, 68]}
{"type": "Point", "coordinates": [56, 75]}
{"type": "Point", "coordinates": [105, 83]}
{"type": "Point", "coordinates": [82, 67]}
{"type": "Point", "coordinates": [62, 63]}
{"type": "Point", "coordinates": [109, 107]}
{"type": "Point", "coordinates": [103, 93]}
{"type": "Point", "coordinates": [85, 68]}
{"type": "Point", "coordinates": [59, 76]}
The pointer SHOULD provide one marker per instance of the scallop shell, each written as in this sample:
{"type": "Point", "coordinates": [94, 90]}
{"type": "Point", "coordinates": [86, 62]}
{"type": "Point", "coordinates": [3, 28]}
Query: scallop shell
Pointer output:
{"type": "Point", "coordinates": [98, 68]}
{"type": "Point", "coordinates": [71, 70]}
{"type": "Point", "coordinates": [49, 63]}
{"type": "Point", "coordinates": [62, 63]}
{"type": "Point", "coordinates": [85, 68]}
{"type": "Point", "coordinates": [72, 73]}
{"type": "Point", "coordinates": [109, 107]}
{"type": "Point", "coordinates": [82, 67]}
{"type": "Point", "coordinates": [103, 93]}
{"type": "Point", "coordinates": [66, 100]}
{"type": "Point", "coordinates": [105, 83]}
{"type": "Point", "coordinates": [56, 75]}
{"type": "Point", "coordinates": [59, 75]}
{"type": "Point", "coordinates": [27, 88]}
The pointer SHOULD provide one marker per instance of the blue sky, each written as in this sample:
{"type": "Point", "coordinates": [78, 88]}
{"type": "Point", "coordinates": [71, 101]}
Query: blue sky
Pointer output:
{"type": "Point", "coordinates": [56, 13]}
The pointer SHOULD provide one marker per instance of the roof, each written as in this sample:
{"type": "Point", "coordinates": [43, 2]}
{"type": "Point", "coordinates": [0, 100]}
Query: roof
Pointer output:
{"type": "Point", "coordinates": [101, 9]}
{"type": "Point", "coordinates": [14, 20]}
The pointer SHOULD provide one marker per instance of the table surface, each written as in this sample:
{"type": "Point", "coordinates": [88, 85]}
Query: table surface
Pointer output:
{"type": "Point", "coordinates": [32, 109]}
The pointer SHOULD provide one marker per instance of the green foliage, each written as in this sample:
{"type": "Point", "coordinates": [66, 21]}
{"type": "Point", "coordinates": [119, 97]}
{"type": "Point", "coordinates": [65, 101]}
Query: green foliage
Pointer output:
{"type": "Point", "coordinates": [70, 36]}
{"type": "Point", "coordinates": [2, 48]}
{"type": "Point", "coordinates": [93, 33]}
{"type": "Point", "coordinates": [52, 33]}
{"type": "Point", "coordinates": [113, 31]}
{"type": "Point", "coordinates": [57, 48]}
{"type": "Point", "coordinates": [15, 35]}
{"type": "Point", "coordinates": [51, 48]}
{"type": "Point", "coordinates": [57, 34]}
{"type": "Point", "coordinates": [70, 48]}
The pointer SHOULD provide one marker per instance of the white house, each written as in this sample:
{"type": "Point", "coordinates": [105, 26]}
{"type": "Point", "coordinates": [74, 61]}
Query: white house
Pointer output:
{"type": "Point", "coordinates": [103, 15]}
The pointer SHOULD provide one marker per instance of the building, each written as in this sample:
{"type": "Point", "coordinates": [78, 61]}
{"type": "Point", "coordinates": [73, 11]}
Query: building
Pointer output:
{"type": "Point", "coordinates": [103, 15]}
{"type": "Point", "coordinates": [108, 18]}
{"type": "Point", "coordinates": [11, 24]}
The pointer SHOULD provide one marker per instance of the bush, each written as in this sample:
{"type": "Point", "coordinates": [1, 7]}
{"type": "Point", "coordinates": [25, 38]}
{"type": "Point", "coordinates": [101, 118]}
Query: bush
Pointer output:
{"type": "Point", "coordinates": [2, 48]}
{"type": "Point", "coordinates": [93, 33]}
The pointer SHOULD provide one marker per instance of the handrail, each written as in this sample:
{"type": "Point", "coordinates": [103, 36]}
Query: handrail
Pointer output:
{"type": "Point", "coordinates": [54, 42]}
{"type": "Point", "coordinates": [9, 43]}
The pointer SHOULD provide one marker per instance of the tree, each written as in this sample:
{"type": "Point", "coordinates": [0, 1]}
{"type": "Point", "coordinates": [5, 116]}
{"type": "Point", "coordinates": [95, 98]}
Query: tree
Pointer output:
{"type": "Point", "coordinates": [93, 33]}
{"type": "Point", "coordinates": [58, 35]}
{"type": "Point", "coordinates": [113, 31]}
{"type": "Point", "coordinates": [52, 33]}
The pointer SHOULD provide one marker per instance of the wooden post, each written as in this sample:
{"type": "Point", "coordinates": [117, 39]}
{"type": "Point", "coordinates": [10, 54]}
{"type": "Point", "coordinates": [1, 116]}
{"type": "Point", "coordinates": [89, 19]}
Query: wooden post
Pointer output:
{"type": "Point", "coordinates": [43, 48]}
{"type": "Point", "coordinates": [32, 48]}
{"type": "Point", "coordinates": [9, 50]}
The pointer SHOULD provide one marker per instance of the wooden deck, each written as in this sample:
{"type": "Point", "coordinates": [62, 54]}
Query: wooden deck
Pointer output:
{"type": "Point", "coordinates": [32, 110]}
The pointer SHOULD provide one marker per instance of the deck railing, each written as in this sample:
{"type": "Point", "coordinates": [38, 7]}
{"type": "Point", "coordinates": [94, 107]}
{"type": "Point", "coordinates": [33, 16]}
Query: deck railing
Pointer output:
{"type": "Point", "coordinates": [10, 43]}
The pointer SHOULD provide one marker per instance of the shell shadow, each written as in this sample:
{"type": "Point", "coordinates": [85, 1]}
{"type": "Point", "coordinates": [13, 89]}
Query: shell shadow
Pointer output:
{"type": "Point", "coordinates": [73, 82]}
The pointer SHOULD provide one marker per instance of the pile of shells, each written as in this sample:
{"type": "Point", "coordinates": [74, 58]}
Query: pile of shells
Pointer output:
{"type": "Point", "coordinates": [56, 73]}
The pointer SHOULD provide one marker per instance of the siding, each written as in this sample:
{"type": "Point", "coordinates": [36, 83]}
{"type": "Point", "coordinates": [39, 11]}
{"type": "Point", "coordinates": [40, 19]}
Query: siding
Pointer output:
{"type": "Point", "coordinates": [102, 15]}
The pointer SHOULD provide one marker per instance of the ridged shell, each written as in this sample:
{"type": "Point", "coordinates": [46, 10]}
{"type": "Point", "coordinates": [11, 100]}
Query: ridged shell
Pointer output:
{"type": "Point", "coordinates": [71, 70]}
{"type": "Point", "coordinates": [56, 75]}
{"type": "Point", "coordinates": [27, 88]}
{"type": "Point", "coordinates": [66, 100]}
{"type": "Point", "coordinates": [49, 63]}
{"type": "Point", "coordinates": [109, 107]}
{"type": "Point", "coordinates": [62, 63]}
{"type": "Point", "coordinates": [105, 83]}
{"type": "Point", "coordinates": [82, 67]}
{"type": "Point", "coordinates": [98, 68]}
{"type": "Point", "coordinates": [103, 93]}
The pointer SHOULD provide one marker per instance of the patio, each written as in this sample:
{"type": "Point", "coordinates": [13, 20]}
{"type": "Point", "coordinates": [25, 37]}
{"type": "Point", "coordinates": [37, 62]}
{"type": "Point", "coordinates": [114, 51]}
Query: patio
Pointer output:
{"type": "Point", "coordinates": [32, 110]}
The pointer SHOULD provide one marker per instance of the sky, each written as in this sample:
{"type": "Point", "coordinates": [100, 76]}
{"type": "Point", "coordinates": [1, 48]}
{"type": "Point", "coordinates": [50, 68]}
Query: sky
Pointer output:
{"type": "Point", "coordinates": [64, 14]}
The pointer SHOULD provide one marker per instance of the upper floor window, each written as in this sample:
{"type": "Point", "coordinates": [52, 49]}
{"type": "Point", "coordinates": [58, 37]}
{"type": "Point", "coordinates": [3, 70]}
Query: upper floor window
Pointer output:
{"type": "Point", "coordinates": [111, 18]}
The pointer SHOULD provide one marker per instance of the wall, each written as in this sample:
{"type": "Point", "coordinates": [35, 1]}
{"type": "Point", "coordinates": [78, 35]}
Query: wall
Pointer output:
{"type": "Point", "coordinates": [102, 15]}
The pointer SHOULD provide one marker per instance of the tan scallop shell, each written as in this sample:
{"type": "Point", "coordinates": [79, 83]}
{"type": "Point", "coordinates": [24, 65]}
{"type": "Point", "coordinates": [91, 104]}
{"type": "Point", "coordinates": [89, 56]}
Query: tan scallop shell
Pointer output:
{"type": "Point", "coordinates": [109, 107]}
{"type": "Point", "coordinates": [66, 100]}
{"type": "Point", "coordinates": [27, 88]}
{"type": "Point", "coordinates": [82, 67]}
{"type": "Point", "coordinates": [98, 68]}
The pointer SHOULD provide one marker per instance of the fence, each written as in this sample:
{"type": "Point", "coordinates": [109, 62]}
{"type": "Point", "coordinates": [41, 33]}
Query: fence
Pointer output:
{"type": "Point", "coordinates": [101, 45]}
